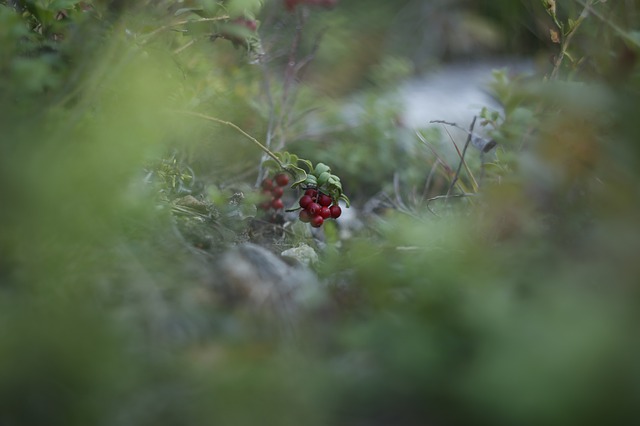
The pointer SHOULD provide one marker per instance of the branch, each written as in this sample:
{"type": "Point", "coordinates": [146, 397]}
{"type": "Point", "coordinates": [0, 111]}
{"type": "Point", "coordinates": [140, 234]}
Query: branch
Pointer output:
{"type": "Point", "coordinates": [567, 40]}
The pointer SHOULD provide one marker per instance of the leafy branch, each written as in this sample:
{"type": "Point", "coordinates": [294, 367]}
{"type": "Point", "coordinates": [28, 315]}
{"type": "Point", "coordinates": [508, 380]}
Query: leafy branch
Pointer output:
{"type": "Point", "coordinates": [567, 36]}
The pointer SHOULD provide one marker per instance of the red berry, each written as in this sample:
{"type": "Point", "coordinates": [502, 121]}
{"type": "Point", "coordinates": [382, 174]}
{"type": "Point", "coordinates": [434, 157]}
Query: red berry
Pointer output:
{"type": "Point", "coordinates": [314, 209]}
{"type": "Point", "coordinates": [311, 192]}
{"type": "Point", "coordinates": [305, 201]}
{"type": "Point", "coordinates": [325, 212]}
{"type": "Point", "coordinates": [290, 5]}
{"type": "Point", "coordinates": [282, 179]}
{"type": "Point", "coordinates": [277, 192]}
{"type": "Point", "coordinates": [304, 216]}
{"type": "Point", "coordinates": [336, 211]}
{"type": "Point", "coordinates": [277, 204]}
{"type": "Point", "coordinates": [324, 200]}
{"type": "Point", "coordinates": [267, 184]}
{"type": "Point", "coordinates": [316, 221]}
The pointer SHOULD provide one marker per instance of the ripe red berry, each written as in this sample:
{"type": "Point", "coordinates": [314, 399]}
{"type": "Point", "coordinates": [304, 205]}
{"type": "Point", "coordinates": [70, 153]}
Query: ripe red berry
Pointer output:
{"type": "Point", "coordinates": [336, 211]}
{"type": "Point", "coordinates": [304, 216]}
{"type": "Point", "coordinates": [325, 212]}
{"type": "Point", "coordinates": [324, 200]}
{"type": "Point", "coordinates": [277, 192]}
{"type": "Point", "coordinates": [314, 209]}
{"type": "Point", "coordinates": [316, 221]}
{"type": "Point", "coordinates": [282, 179]}
{"type": "Point", "coordinates": [290, 5]}
{"type": "Point", "coordinates": [277, 204]}
{"type": "Point", "coordinates": [311, 192]}
{"type": "Point", "coordinates": [305, 201]}
{"type": "Point", "coordinates": [265, 206]}
{"type": "Point", "coordinates": [267, 184]}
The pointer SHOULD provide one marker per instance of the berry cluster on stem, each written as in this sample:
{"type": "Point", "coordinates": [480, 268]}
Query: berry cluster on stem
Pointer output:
{"type": "Point", "coordinates": [316, 207]}
{"type": "Point", "coordinates": [273, 189]}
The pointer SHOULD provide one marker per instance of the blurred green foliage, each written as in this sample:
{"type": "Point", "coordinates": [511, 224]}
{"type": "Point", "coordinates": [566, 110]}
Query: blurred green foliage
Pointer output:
{"type": "Point", "coordinates": [518, 306]}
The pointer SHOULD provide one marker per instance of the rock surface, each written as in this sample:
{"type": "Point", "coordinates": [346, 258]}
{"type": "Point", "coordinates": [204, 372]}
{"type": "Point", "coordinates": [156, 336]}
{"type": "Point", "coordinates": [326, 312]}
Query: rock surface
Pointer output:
{"type": "Point", "coordinates": [254, 278]}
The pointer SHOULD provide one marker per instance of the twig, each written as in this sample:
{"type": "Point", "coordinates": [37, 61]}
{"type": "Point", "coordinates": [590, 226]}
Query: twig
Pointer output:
{"type": "Point", "coordinates": [433, 151]}
{"type": "Point", "coordinates": [266, 84]}
{"type": "Point", "coordinates": [430, 176]}
{"type": "Point", "coordinates": [289, 75]}
{"type": "Point", "coordinates": [230, 124]}
{"type": "Point", "coordinates": [149, 35]}
{"type": "Point", "coordinates": [569, 37]}
{"type": "Point", "coordinates": [622, 33]}
{"type": "Point", "coordinates": [464, 151]}
{"type": "Point", "coordinates": [448, 123]}
{"type": "Point", "coordinates": [314, 50]}
{"type": "Point", "coordinates": [396, 190]}
{"type": "Point", "coordinates": [186, 46]}
{"type": "Point", "coordinates": [287, 109]}
{"type": "Point", "coordinates": [446, 197]}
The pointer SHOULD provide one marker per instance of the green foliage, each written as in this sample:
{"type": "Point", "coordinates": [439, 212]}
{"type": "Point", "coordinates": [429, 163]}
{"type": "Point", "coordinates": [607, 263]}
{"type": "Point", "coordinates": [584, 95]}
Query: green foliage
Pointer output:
{"type": "Point", "coordinates": [518, 307]}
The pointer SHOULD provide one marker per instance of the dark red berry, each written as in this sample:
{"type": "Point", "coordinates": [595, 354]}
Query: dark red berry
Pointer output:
{"type": "Point", "coordinates": [311, 192]}
{"type": "Point", "coordinates": [314, 209]}
{"type": "Point", "coordinates": [277, 204]}
{"type": "Point", "coordinates": [277, 192]}
{"type": "Point", "coordinates": [317, 221]}
{"type": "Point", "coordinates": [336, 211]}
{"type": "Point", "coordinates": [267, 184]}
{"type": "Point", "coordinates": [290, 5]}
{"type": "Point", "coordinates": [305, 201]}
{"type": "Point", "coordinates": [324, 200]}
{"type": "Point", "coordinates": [304, 216]}
{"type": "Point", "coordinates": [282, 179]}
{"type": "Point", "coordinates": [325, 212]}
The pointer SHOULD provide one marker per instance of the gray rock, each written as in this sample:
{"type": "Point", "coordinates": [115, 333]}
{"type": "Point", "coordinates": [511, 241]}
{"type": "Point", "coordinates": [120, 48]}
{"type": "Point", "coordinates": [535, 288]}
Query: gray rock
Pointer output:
{"type": "Point", "coordinates": [303, 254]}
{"type": "Point", "coordinates": [255, 279]}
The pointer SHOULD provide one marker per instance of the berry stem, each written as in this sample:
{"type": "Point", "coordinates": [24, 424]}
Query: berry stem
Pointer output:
{"type": "Point", "coordinates": [230, 124]}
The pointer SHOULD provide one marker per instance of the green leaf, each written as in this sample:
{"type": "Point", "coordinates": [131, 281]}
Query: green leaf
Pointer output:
{"type": "Point", "coordinates": [184, 10]}
{"type": "Point", "coordinates": [346, 200]}
{"type": "Point", "coordinates": [323, 178]}
{"type": "Point", "coordinates": [307, 163]}
{"type": "Point", "coordinates": [320, 169]}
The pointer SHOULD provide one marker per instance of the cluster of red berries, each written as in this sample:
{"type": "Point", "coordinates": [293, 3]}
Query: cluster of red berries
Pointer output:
{"type": "Point", "coordinates": [317, 207]}
{"type": "Point", "coordinates": [274, 189]}
{"type": "Point", "coordinates": [291, 5]}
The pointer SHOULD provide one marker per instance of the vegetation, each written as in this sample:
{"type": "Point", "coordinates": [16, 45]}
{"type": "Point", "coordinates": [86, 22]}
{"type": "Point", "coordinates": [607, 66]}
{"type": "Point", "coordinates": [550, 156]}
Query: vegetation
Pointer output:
{"type": "Point", "coordinates": [158, 157]}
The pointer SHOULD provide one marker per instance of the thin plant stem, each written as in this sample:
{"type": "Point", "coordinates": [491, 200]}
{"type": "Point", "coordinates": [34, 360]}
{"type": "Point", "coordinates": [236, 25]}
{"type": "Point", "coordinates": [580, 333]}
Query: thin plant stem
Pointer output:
{"type": "Point", "coordinates": [289, 76]}
{"type": "Point", "coordinates": [150, 35]}
{"type": "Point", "coordinates": [464, 151]}
{"type": "Point", "coordinates": [622, 33]}
{"type": "Point", "coordinates": [230, 124]}
{"type": "Point", "coordinates": [568, 38]}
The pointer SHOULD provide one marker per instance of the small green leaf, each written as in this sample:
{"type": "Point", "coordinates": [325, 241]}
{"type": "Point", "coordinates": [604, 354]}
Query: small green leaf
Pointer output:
{"type": "Point", "coordinates": [323, 178]}
{"type": "Point", "coordinates": [320, 169]}
{"type": "Point", "coordinates": [346, 200]}
{"type": "Point", "coordinates": [184, 10]}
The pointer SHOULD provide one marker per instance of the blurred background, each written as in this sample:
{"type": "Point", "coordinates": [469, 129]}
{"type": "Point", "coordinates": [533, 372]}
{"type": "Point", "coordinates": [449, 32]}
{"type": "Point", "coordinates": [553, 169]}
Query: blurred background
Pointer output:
{"type": "Point", "coordinates": [469, 283]}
